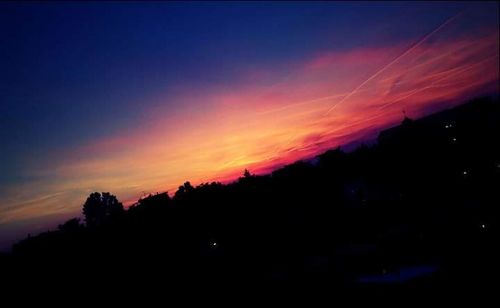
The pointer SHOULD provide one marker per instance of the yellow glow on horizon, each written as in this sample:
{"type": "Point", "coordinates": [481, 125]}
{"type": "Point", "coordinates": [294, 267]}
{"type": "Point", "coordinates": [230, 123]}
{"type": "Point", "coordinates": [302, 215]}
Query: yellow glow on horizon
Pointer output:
{"type": "Point", "coordinates": [317, 107]}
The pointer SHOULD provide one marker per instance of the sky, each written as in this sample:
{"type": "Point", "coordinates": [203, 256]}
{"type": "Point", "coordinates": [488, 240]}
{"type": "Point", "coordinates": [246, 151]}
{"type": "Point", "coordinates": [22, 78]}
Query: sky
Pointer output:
{"type": "Point", "coordinates": [139, 97]}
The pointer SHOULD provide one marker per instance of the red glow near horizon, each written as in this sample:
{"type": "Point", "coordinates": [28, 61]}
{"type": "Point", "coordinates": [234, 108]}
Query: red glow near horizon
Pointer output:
{"type": "Point", "coordinates": [332, 99]}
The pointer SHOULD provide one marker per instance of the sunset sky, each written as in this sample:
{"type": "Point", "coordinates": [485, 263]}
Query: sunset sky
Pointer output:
{"type": "Point", "coordinates": [131, 97]}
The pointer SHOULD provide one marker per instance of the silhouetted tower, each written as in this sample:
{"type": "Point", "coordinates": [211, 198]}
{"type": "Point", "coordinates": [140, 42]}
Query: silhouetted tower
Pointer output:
{"type": "Point", "coordinates": [406, 121]}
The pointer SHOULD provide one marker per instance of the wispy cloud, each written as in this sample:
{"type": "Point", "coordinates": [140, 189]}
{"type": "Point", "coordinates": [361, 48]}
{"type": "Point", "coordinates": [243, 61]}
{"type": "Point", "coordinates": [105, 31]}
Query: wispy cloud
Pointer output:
{"type": "Point", "coordinates": [329, 99]}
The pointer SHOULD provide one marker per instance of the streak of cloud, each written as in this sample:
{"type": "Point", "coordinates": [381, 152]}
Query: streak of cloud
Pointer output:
{"type": "Point", "coordinates": [406, 52]}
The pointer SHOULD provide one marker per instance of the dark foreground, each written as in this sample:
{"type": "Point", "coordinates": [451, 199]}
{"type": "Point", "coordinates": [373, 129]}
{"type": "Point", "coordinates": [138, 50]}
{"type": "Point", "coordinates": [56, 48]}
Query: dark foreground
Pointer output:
{"type": "Point", "coordinates": [413, 216]}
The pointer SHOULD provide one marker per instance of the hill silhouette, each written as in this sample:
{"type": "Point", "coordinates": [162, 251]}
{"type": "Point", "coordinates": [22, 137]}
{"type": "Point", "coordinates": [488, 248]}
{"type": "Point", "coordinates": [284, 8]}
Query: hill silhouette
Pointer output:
{"type": "Point", "coordinates": [415, 211]}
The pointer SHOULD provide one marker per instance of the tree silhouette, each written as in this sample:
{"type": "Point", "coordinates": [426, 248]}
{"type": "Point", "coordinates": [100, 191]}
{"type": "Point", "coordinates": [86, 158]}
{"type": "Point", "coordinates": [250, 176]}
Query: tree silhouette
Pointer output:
{"type": "Point", "coordinates": [70, 226]}
{"type": "Point", "coordinates": [247, 173]}
{"type": "Point", "coordinates": [415, 197]}
{"type": "Point", "coordinates": [100, 208]}
{"type": "Point", "coordinates": [183, 190]}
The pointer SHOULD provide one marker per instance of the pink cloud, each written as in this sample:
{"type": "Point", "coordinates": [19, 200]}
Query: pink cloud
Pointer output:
{"type": "Point", "coordinates": [219, 131]}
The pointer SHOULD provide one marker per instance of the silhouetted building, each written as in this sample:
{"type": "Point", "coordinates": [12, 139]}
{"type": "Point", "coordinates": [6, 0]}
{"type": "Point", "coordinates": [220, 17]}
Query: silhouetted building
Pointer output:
{"type": "Point", "coordinates": [398, 133]}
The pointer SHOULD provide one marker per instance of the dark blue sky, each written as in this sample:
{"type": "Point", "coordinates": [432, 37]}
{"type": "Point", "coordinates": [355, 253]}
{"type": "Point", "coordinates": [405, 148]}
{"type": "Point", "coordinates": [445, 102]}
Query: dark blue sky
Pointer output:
{"type": "Point", "coordinates": [68, 65]}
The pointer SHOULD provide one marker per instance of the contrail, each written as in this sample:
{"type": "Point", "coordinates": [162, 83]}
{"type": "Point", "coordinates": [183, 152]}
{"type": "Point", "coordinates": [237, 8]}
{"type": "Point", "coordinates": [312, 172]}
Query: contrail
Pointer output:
{"type": "Point", "coordinates": [457, 71]}
{"type": "Point", "coordinates": [301, 103]}
{"type": "Point", "coordinates": [345, 97]}
{"type": "Point", "coordinates": [395, 60]}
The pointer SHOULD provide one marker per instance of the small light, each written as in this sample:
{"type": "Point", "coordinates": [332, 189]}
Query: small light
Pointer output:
{"type": "Point", "coordinates": [214, 244]}
{"type": "Point", "coordinates": [483, 226]}
{"type": "Point", "coordinates": [465, 172]}
{"type": "Point", "coordinates": [446, 126]}
{"type": "Point", "coordinates": [454, 139]}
